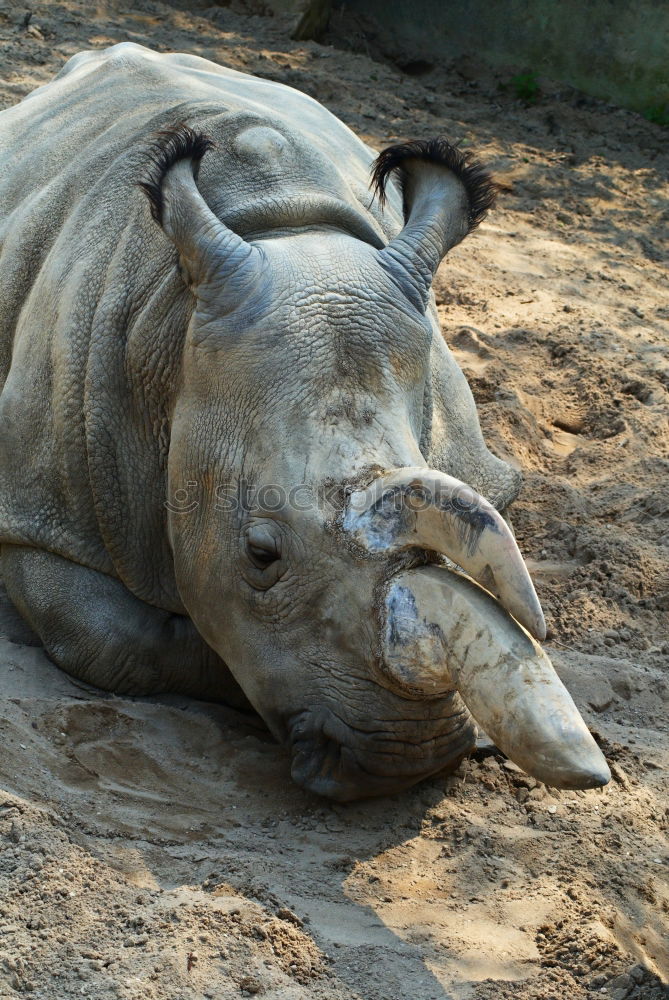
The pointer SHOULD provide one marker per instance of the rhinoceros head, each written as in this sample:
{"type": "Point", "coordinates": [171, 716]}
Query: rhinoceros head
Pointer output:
{"type": "Point", "coordinates": [324, 560]}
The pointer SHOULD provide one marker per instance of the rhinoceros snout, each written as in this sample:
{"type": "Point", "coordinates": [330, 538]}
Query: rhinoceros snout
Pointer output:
{"type": "Point", "coordinates": [345, 760]}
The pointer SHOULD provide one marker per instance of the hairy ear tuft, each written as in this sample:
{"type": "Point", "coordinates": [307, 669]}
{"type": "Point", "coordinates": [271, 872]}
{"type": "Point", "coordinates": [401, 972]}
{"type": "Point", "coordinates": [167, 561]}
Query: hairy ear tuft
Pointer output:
{"type": "Point", "coordinates": [480, 187]}
{"type": "Point", "coordinates": [168, 147]}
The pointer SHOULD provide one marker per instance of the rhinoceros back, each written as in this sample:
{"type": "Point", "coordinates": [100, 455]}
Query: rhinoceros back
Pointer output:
{"type": "Point", "coordinates": [92, 309]}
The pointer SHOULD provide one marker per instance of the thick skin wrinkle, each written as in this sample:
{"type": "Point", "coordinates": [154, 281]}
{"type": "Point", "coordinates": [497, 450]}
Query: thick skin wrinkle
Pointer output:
{"type": "Point", "coordinates": [156, 375]}
{"type": "Point", "coordinates": [337, 759]}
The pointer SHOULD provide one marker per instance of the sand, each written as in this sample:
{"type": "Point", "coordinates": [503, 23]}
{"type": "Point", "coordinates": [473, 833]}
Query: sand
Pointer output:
{"type": "Point", "coordinates": [156, 848]}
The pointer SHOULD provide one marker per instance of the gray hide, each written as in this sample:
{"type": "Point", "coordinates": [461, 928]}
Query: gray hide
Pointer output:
{"type": "Point", "coordinates": [147, 373]}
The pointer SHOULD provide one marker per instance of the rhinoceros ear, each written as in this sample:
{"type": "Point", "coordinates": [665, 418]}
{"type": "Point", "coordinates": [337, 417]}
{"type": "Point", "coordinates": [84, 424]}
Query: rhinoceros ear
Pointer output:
{"type": "Point", "coordinates": [446, 194]}
{"type": "Point", "coordinates": [210, 253]}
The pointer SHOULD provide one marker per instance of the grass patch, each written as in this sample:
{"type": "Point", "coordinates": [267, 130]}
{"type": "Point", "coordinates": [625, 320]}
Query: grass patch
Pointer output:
{"type": "Point", "coordinates": [658, 114]}
{"type": "Point", "coordinates": [526, 87]}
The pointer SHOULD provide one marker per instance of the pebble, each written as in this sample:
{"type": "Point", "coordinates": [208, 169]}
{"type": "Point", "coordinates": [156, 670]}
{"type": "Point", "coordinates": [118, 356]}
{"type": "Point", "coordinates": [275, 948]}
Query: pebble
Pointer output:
{"type": "Point", "coordinates": [619, 775]}
{"type": "Point", "coordinates": [620, 986]}
{"type": "Point", "coordinates": [600, 704]}
{"type": "Point", "coordinates": [250, 986]}
{"type": "Point", "coordinates": [284, 913]}
{"type": "Point", "coordinates": [136, 942]}
{"type": "Point", "coordinates": [622, 685]}
{"type": "Point", "coordinates": [637, 973]}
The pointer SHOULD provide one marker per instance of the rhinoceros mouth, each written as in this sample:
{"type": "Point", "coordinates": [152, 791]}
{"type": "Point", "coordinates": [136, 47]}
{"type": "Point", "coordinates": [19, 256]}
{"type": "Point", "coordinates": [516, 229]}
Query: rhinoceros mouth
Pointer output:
{"type": "Point", "coordinates": [341, 760]}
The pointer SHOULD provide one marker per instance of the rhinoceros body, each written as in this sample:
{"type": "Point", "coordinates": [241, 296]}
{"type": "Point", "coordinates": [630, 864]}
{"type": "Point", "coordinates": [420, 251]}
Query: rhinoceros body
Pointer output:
{"type": "Point", "coordinates": [274, 332]}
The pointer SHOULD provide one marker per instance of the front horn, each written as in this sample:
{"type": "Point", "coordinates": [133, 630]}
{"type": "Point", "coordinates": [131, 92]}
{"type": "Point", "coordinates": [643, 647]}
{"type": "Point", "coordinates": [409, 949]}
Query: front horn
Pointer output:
{"type": "Point", "coordinates": [209, 251]}
{"type": "Point", "coordinates": [442, 632]}
{"type": "Point", "coordinates": [446, 194]}
{"type": "Point", "coordinates": [425, 508]}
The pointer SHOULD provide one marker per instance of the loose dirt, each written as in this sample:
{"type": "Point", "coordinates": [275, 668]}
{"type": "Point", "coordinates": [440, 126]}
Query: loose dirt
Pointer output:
{"type": "Point", "coordinates": [155, 849]}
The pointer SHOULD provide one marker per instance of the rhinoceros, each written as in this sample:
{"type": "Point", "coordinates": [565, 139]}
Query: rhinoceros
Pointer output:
{"type": "Point", "coordinates": [238, 460]}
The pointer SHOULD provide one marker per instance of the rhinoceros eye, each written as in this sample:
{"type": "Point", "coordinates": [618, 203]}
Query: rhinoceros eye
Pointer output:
{"type": "Point", "coordinates": [261, 557]}
{"type": "Point", "coordinates": [263, 546]}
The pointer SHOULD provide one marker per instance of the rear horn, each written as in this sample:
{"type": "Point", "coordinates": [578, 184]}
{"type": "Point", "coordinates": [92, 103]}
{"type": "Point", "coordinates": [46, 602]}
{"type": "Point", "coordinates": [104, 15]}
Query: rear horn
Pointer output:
{"type": "Point", "coordinates": [425, 508]}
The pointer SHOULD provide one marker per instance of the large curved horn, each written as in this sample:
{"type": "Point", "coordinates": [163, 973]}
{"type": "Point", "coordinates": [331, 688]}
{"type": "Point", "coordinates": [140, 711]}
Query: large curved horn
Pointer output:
{"type": "Point", "coordinates": [446, 195]}
{"type": "Point", "coordinates": [431, 510]}
{"type": "Point", "coordinates": [442, 632]}
{"type": "Point", "coordinates": [208, 249]}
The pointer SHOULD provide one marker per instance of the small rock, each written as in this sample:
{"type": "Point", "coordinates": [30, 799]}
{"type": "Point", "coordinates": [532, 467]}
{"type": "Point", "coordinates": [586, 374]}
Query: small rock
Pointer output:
{"type": "Point", "coordinates": [622, 686]}
{"type": "Point", "coordinates": [285, 914]}
{"type": "Point", "coordinates": [600, 704]}
{"type": "Point", "coordinates": [136, 942]}
{"type": "Point", "coordinates": [638, 973]}
{"type": "Point", "coordinates": [510, 766]}
{"type": "Point", "coordinates": [250, 985]}
{"type": "Point", "coordinates": [619, 987]}
{"type": "Point", "coordinates": [619, 775]}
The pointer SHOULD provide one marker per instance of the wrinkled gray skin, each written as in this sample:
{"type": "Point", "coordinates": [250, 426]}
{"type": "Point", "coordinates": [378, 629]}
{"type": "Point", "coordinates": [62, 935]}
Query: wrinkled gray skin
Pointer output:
{"type": "Point", "coordinates": [135, 371]}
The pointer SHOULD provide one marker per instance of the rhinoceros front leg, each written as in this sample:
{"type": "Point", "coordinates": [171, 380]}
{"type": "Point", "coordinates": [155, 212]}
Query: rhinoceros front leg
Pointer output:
{"type": "Point", "coordinates": [96, 630]}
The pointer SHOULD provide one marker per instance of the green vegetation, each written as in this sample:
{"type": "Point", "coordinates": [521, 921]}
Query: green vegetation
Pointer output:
{"type": "Point", "coordinates": [525, 87]}
{"type": "Point", "coordinates": [658, 114]}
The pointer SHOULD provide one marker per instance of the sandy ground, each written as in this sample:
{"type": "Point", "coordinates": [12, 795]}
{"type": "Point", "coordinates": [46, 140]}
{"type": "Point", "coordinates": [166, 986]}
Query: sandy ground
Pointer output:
{"type": "Point", "coordinates": [157, 848]}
